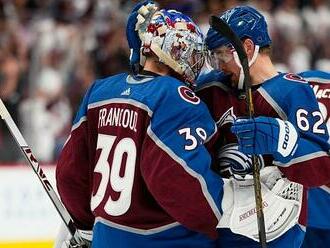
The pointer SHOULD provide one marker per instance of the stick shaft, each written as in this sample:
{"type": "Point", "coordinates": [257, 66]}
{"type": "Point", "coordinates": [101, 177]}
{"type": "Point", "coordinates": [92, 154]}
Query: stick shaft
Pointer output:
{"type": "Point", "coordinates": [26, 150]}
{"type": "Point", "coordinates": [224, 29]}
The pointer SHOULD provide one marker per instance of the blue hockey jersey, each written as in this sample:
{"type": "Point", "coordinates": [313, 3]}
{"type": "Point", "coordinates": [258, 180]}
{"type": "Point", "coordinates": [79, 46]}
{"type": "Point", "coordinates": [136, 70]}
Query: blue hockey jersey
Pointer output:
{"type": "Point", "coordinates": [283, 96]}
{"type": "Point", "coordinates": [136, 167]}
{"type": "Point", "coordinates": [319, 198]}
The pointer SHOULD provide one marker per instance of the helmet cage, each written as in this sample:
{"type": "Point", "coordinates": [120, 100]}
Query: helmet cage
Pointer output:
{"type": "Point", "coordinates": [177, 42]}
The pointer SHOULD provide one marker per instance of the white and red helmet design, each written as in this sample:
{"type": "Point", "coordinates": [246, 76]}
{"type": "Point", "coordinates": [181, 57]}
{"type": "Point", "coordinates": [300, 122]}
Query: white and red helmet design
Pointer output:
{"type": "Point", "coordinates": [176, 40]}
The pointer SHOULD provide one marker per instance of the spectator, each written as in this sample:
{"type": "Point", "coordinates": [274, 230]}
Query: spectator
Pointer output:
{"type": "Point", "coordinates": [45, 115]}
{"type": "Point", "coordinates": [83, 39]}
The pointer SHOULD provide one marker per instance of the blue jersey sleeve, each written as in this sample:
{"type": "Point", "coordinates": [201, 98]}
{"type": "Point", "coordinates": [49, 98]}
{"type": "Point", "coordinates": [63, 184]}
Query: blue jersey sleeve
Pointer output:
{"type": "Point", "coordinates": [307, 117]}
{"type": "Point", "coordinates": [294, 100]}
{"type": "Point", "coordinates": [180, 128]}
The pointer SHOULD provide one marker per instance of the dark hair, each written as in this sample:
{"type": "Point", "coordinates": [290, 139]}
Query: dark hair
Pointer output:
{"type": "Point", "coordinates": [266, 50]}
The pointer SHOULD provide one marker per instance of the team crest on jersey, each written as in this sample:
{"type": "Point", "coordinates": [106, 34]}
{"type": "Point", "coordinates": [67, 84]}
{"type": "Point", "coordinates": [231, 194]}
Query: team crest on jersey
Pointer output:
{"type": "Point", "coordinates": [188, 95]}
{"type": "Point", "coordinates": [227, 117]}
{"type": "Point", "coordinates": [294, 77]}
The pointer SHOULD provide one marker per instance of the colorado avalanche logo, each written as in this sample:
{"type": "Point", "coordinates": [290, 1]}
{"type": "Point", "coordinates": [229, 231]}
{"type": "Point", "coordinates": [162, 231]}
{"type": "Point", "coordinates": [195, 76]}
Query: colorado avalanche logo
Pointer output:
{"type": "Point", "coordinates": [294, 77]}
{"type": "Point", "coordinates": [188, 95]}
{"type": "Point", "coordinates": [227, 117]}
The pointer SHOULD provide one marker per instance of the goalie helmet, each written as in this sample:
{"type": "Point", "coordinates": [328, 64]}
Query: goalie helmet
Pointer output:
{"type": "Point", "coordinates": [246, 22]}
{"type": "Point", "coordinates": [176, 40]}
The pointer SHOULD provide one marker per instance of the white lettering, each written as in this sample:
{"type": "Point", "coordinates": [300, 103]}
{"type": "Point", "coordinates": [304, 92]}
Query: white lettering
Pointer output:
{"type": "Point", "coordinates": [286, 136]}
{"type": "Point", "coordinates": [325, 93]}
{"type": "Point", "coordinates": [125, 118]}
{"type": "Point", "coordinates": [109, 119]}
{"type": "Point", "coordinates": [315, 88]}
{"type": "Point", "coordinates": [118, 117]}
{"type": "Point", "coordinates": [321, 93]}
{"type": "Point", "coordinates": [133, 123]}
{"type": "Point", "coordinates": [102, 114]}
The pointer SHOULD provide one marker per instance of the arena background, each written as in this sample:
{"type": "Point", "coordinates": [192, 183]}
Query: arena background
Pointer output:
{"type": "Point", "coordinates": [51, 51]}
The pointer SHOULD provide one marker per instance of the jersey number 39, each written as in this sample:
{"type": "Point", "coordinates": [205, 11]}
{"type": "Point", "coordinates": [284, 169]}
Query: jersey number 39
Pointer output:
{"type": "Point", "coordinates": [118, 183]}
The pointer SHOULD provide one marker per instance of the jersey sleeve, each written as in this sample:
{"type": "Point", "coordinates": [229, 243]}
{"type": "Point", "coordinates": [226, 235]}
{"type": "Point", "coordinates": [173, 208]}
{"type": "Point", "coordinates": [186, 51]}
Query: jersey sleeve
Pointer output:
{"type": "Point", "coordinates": [308, 168]}
{"type": "Point", "coordinates": [310, 164]}
{"type": "Point", "coordinates": [72, 183]}
{"type": "Point", "coordinates": [176, 164]}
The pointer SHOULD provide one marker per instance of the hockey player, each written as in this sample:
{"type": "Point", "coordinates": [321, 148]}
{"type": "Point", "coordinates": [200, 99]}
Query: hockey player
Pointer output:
{"type": "Point", "coordinates": [288, 125]}
{"type": "Point", "coordinates": [318, 221]}
{"type": "Point", "coordinates": [135, 168]}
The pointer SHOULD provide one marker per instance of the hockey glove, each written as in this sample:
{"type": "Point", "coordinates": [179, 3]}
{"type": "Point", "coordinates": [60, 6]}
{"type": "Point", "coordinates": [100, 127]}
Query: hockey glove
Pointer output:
{"type": "Point", "coordinates": [86, 237]}
{"type": "Point", "coordinates": [266, 135]}
{"type": "Point", "coordinates": [132, 35]}
{"type": "Point", "coordinates": [237, 163]}
{"type": "Point", "coordinates": [65, 240]}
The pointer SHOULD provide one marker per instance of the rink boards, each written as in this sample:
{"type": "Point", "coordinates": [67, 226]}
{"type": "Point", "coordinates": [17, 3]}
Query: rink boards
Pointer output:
{"type": "Point", "coordinates": [28, 218]}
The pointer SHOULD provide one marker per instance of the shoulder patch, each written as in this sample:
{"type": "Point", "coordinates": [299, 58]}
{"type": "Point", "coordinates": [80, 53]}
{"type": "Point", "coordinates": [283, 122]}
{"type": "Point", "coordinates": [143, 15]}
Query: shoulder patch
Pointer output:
{"type": "Point", "coordinates": [294, 77]}
{"type": "Point", "coordinates": [188, 95]}
{"type": "Point", "coordinates": [227, 117]}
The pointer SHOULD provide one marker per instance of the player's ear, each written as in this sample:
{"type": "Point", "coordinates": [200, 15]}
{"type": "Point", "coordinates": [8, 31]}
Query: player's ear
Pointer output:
{"type": "Point", "coordinates": [249, 47]}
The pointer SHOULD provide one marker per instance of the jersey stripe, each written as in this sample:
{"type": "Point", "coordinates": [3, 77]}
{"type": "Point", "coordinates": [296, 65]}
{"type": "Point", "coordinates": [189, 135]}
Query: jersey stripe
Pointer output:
{"type": "Point", "coordinates": [136, 230]}
{"type": "Point", "coordinates": [191, 172]}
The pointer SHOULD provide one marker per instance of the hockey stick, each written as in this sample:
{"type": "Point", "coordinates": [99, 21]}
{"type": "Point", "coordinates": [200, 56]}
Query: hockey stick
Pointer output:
{"type": "Point", "coordinates": [223, 28]}
{"type": "Point", "coordinates": [26, 150]}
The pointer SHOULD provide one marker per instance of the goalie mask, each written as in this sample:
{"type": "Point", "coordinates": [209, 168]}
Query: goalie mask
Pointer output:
{"type": "Point", "coordinates": [175, 39]}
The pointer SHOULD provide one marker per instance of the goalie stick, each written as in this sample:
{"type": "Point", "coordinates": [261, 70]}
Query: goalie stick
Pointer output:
{"type": "Point", "coordinates": [26, 150]}
{"type": "Point", "coordinates": [223, 28]}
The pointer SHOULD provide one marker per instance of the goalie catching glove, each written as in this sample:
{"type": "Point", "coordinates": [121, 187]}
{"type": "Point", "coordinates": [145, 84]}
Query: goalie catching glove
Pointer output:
{"type": "Point", "coordinates": [281, 205]}
{"type": "Point", "coordinates": [266, 135]}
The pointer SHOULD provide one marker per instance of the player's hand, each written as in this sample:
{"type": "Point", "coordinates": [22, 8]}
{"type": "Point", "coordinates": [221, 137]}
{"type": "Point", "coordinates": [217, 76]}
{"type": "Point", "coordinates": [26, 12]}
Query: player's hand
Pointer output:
{"type": "Point", "coordinates": [213, 76]}
{"type": "Point", "coordinates": [238, 164]}
{"type": "Point", "coordinates": [65, 240]}
{"type": "Point", "coordinates": [72, 244]}
{"type": "Point", "coordinates": [266, 135]}
{"type": "Point", "coordinates": [132, 35]}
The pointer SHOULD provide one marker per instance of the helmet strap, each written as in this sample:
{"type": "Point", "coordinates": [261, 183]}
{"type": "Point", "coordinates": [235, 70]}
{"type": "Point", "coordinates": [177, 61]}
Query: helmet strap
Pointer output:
{"type": "Point", "coordinates": [142, 57]}
{"type": "Point", "coordinates": [240, 84]}
{"type": "Point", "coordinates": [166, 59]}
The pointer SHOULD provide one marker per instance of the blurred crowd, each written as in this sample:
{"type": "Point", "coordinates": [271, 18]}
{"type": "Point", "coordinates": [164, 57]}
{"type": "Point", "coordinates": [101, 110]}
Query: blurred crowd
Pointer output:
{"type": "Point", "coordinates": [52, 50]}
